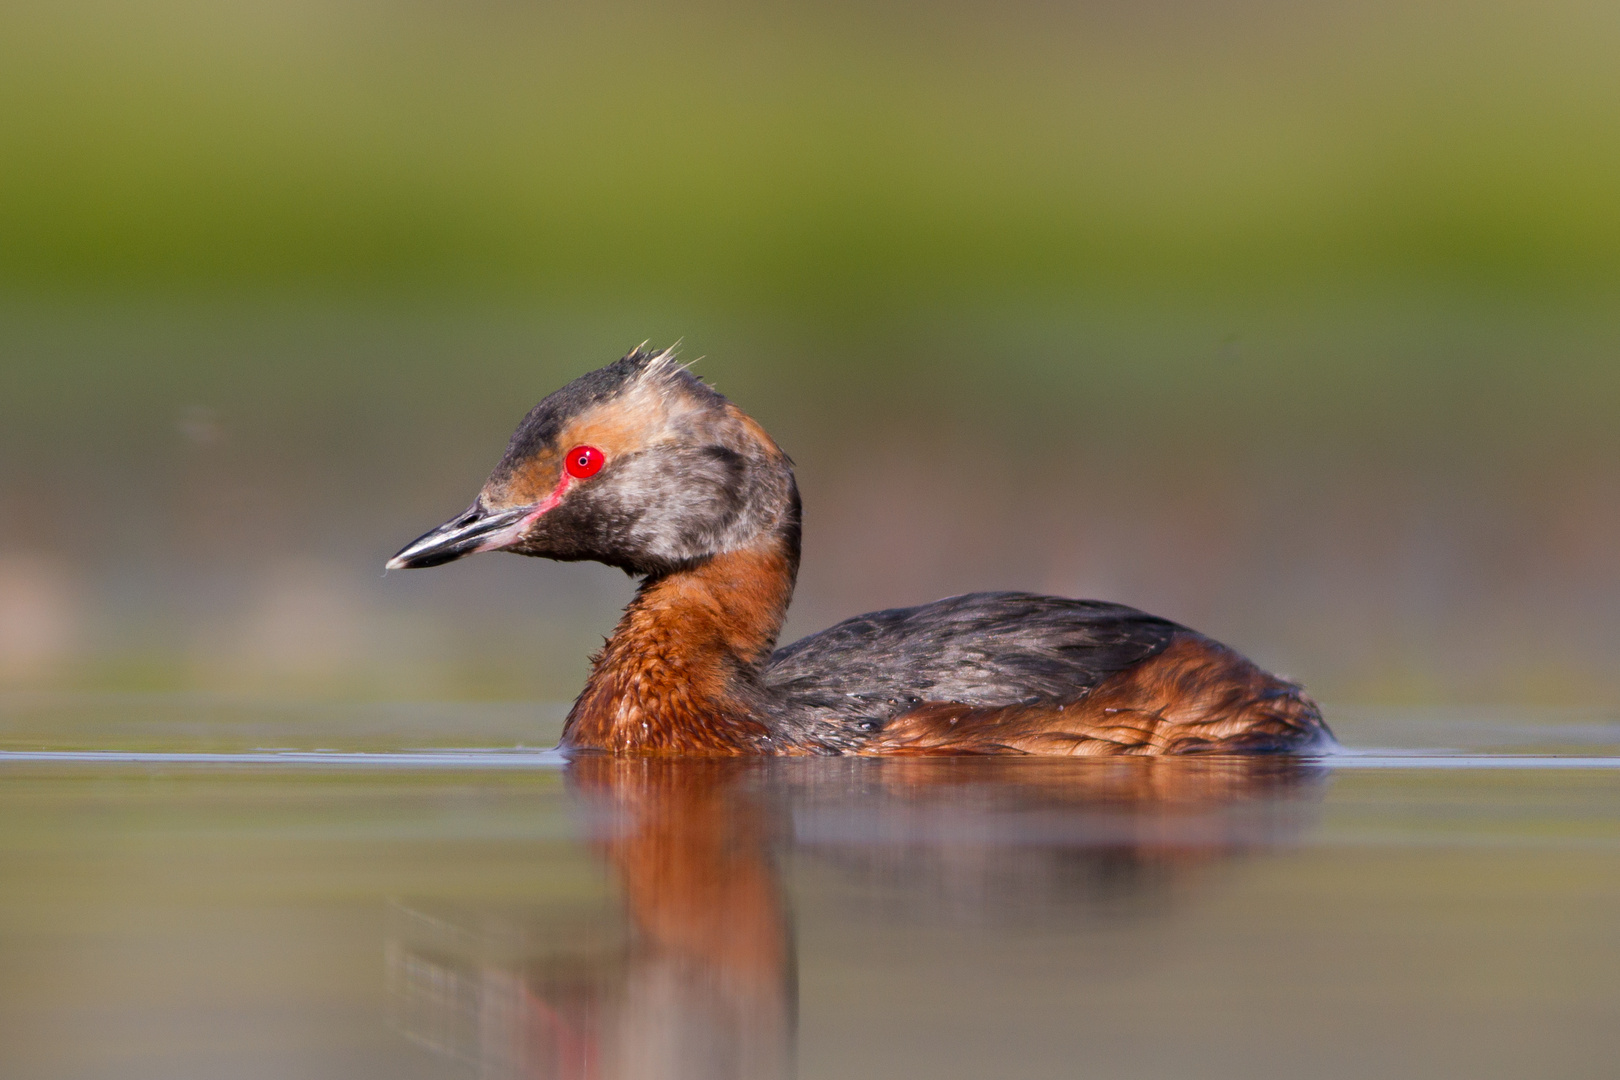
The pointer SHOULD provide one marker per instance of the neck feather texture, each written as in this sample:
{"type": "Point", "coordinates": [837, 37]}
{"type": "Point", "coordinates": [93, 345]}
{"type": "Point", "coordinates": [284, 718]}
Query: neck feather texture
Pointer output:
{"type": "Point", "coordinates": [680, 675]}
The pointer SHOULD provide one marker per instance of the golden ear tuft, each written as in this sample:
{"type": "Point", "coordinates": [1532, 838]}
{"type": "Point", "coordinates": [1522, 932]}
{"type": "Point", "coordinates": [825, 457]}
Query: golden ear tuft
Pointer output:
{"type": "Point", "coordinates": [664, 363]}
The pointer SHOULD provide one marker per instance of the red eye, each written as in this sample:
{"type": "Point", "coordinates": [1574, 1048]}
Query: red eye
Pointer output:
{"type": "Point", "coordinates": [583, 461]}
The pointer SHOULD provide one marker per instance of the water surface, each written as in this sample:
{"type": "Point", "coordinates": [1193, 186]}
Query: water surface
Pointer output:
{"type": "Point", "coordinates": [195, 888]}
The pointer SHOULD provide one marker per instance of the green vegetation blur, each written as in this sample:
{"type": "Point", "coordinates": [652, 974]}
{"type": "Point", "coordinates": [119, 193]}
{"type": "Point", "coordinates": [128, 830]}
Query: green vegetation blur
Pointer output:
{"type": "Point", "coordinates": [1295, 322]}
{"type": "Point", "coordinates": [813, 158]}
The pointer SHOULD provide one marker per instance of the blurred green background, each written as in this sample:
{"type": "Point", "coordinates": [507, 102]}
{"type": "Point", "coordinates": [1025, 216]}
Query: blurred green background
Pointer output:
{"type": "Point", "coordinates": [1294, 322]}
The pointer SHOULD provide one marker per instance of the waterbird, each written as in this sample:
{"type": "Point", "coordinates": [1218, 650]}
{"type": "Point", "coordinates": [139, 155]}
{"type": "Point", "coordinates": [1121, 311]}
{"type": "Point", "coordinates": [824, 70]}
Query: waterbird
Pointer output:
{"type": "Point", "coordinates": [643, 466]}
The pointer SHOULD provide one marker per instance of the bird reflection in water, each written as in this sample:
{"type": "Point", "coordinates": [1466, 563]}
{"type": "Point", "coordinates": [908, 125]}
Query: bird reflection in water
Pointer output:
{"type": "Point", "coordinates": [695, 976]}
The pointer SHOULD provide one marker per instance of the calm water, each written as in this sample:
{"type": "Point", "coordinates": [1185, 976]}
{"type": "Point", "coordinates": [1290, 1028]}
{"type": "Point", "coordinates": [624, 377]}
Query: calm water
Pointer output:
{"type": "Point", "coordinates": [178, 901]}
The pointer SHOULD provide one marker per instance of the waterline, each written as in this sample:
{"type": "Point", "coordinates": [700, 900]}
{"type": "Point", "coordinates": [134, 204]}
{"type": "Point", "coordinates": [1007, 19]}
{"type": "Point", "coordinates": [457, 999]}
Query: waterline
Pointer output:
{"type": "Point", "coordinates": [492, 758]}
{"type": "Point", "coordinates": [527, 758]}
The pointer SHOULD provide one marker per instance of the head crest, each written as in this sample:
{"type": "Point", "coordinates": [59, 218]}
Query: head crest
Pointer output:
{"type": "Point", "coordinates": [662, 365]}
{"type": "Point", "coordinates": [640, 369]}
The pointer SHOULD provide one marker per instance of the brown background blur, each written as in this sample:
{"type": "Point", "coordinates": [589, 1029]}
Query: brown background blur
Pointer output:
{"type": "Point", "coordinates": [1294, 322]}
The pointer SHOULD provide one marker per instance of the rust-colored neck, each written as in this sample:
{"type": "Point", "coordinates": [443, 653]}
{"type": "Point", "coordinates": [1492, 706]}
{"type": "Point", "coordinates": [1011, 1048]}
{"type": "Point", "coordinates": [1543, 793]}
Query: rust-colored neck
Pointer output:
{"type": "Point", "coordinates": [691, 850]}
{"type": "Point", "coordinates": [680, 675]}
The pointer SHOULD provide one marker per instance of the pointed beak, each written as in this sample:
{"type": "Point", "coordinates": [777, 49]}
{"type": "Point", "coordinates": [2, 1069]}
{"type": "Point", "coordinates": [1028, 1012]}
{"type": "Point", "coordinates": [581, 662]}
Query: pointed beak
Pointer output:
{"type": "Point", "coordinates": [478, 529]}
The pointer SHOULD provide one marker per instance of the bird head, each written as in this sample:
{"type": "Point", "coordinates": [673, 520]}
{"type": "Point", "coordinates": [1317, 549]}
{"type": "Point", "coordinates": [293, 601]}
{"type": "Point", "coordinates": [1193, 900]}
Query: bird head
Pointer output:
{"type": "Point", "coordinates": [638, 465]}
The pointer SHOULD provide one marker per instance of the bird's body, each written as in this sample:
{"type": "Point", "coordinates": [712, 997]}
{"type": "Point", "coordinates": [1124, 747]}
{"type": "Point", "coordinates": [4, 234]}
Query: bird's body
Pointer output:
{"type": "Point", "coordinates": [640, 465]}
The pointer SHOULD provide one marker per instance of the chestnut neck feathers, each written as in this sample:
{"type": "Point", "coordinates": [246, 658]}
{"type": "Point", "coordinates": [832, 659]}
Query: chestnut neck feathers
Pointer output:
{"type": "Point", "coordinates": [698, 500]}
{"type": "Point", "coordinates": [683, 670]}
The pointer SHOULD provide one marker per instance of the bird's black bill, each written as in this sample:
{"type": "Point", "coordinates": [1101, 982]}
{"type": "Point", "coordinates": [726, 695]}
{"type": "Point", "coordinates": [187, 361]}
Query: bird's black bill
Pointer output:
{"type": "Point", "coordinates": [465, 534]}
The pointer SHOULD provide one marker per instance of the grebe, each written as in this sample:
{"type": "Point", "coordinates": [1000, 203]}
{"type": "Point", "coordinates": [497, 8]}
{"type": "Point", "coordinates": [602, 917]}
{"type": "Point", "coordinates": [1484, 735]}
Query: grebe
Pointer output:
{"type": "Point", "coordinates": [643, 466]}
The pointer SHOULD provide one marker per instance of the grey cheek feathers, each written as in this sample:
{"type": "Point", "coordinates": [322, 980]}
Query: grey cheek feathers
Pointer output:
{"type": "Point", "coordinates": [687, 503]}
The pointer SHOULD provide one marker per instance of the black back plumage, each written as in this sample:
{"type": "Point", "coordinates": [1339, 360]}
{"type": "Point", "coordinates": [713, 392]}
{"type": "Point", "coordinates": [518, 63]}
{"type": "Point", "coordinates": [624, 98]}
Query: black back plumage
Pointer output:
{"type": "Point", "coordinates": [981, 649]}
